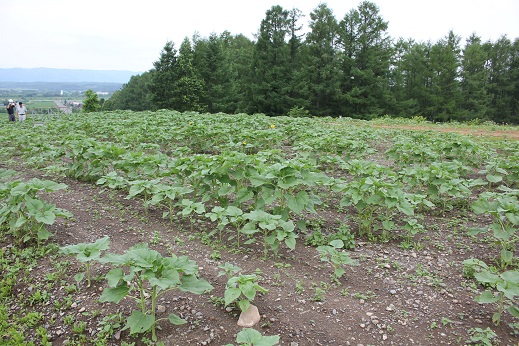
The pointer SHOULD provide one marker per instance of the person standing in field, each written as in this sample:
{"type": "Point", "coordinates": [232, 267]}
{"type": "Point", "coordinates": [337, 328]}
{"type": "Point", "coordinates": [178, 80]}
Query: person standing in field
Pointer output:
{"type": "Point", "coordinates": [21, 111]}
{"type": "Point", "coordinates": [10, 110]}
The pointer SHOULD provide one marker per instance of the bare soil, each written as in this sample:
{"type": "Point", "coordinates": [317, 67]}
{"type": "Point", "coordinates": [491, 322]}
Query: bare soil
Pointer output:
{"type": "Point", "coordinates": [477, 132]}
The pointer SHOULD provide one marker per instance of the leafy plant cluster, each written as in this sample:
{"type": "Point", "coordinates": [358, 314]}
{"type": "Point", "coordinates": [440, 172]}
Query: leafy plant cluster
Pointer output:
{"type": "Point", "coordinates": [23, 213]}
{"type": "Point", "coordinates": [242, 174]}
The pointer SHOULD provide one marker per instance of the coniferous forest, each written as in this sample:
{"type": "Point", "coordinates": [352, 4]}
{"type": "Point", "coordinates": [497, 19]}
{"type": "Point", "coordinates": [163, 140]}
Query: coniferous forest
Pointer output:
{"type": "Point", "coordinates": [347, 67]}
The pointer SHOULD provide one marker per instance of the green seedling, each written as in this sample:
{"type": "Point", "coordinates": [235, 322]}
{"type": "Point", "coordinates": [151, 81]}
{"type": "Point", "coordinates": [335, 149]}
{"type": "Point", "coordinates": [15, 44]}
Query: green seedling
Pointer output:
{"type": "Point", "coordinates": [24, 213]}
{"type": "Point", "coordinates": [334, 255]}
{"type": "Point", "coordinates": [251, 337]}
{"type": "Point", "coordinates": [87, 253]}
{"type": "Point", "coordinates": [240, 289]}
{"type": "Point", "coordinates": [504, 210]}
{"type": "Point", "coordinates": [149, 276]}
{"type": "Point", "coordinates": [502, 288]}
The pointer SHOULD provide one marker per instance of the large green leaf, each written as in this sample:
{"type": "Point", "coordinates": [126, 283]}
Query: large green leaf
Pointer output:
{"type": "Point", "coordinates": [514, 311]}
{"type": "Point", "coordinates": [170, 278]}
{"type": "Point", "coordinates": [487, 277]}
{"type": "Point", "coordinates": [174, 319]}
{"type": "Point", "coordinates": [231, 294]}
{"type": "Point", "coordinates": [139, 322]}
{"type": "Point", "coordinates": [114, 276]}
{"type": "Point", "coordinates": [248, 289]}
{"type": "Point", "coordinates": [486, 297]}
{"type": "Point", "coordinates": [250, 336]}
{"type": "Point", "coordinates": [44, 234]}
{"type": "Point", "coordinates": [115, 294]}
{"type": "Point", "coordinates": [191, 283]}
{"type": "Point", "coordinates": [244, 304]}
{"type": "Point", "coordinates": [297, 203]}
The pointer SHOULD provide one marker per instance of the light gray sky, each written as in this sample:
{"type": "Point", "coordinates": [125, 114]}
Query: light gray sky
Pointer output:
{"type": "Point", "coordinates": [129, 35]}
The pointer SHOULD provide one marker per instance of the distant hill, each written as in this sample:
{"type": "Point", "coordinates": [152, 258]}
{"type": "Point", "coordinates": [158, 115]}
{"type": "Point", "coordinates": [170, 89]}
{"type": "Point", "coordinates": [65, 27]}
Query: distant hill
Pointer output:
{"type": "Point", "coordinates": [58, 86]}
{"type": "Point", "coordinates": [54, 75]}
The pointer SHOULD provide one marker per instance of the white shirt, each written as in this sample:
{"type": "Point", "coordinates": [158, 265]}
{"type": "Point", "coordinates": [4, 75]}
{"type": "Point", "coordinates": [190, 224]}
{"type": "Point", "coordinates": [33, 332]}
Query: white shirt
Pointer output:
{"type": "Point", "coordinates": [21, 110]}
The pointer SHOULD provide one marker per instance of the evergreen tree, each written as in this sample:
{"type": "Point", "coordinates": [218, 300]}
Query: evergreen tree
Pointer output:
{"type": "Point", "coordinates": [271, 64]}
{"type": "Point", "coordinates": [446, 92]}
{"type": "Point", "coordinates": [296, 71]}
{"type": "Point", "coordinates": [91, 103]}
{"type": "Point", "coordinates": [209, 63]}
{"type": "Point", "coordinates": [399, 77]}
{"type": "Point", "coordinates": [133, 95]}
{"type": "Point", "coordinates": [238, 53]}
{"type": "Point", "coordinates": [514, 88]}
{"type": "Point", "coordinates": [474, 76]}
{"type": "Point", "coordinates": [320, 66]}
{"type": "Point", "coordinates": [366, 53]}
{"type": "Point", "coordinates": [502, 87]}
{"type": "Point", "coordinates": [188, 88]}
{"type": "Point", "coordinates": [164, 76]}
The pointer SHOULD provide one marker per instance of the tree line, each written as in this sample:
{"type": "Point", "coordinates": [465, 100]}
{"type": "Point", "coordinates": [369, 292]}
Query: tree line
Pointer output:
{"type": "Point", "coordinates": [349, 67]}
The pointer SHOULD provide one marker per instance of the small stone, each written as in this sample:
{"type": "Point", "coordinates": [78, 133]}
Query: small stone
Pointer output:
{"type": "Point", "coordinates": [477, 320]}
{"type": "Point", "coordinates": [161, 308]}
{"type": "Point", "coordinates": [393, 292]}
{"type": "Point", "coordinates": [82, 309]}
{"type": "Point", "coordinates": [384, 336]}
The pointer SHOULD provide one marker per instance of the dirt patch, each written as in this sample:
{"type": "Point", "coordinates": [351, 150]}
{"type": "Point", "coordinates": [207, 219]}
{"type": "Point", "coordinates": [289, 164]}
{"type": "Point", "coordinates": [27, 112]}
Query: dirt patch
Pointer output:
{"type": "Point", "coordinates": [504, 134]}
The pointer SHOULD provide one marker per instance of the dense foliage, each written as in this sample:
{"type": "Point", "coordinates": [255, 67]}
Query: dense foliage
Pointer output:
{"type": "Point", "coordinates": [349, 67]}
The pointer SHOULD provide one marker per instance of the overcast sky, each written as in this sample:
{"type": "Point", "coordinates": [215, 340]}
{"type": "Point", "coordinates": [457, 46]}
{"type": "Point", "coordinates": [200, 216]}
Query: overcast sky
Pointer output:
{"type": "Point", "coordinates": [129, 35]}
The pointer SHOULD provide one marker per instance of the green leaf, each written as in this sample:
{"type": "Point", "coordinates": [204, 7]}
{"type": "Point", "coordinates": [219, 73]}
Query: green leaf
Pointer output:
{"type": "Point", "coordinates": [487, 277]}
{"type": "Point", "coordinates": [406, 208]}
{"type": "Point", "coordinates": [514, 311]}
{"type": "Point", "coordinates": [297, 203]}
{"type": "Point", "coordinates": [114, 276]}
{"type": "Point", "coordinates": [79, 277]}
{"type": "Point", "coordinates": [169, 279]}
{"type": "Point", "coordinates": [43, 234]}
{"type": "Point", "coordinates": [244, 305]}
{"type": "Point", "coordinates": [506, 256]}
{"type": "Point", "coordinates": [337, 243]}
{"type": "Point", "coordinates": [248, 336]}
{"type": "Point", "coordinates": [511, 276]}
{"type": "Point", "coordinates": [290, 242]}
{"type": "Point", "coordinates": [191, 283]}
{"type": "Point", "coordinates": [231, 294]}
{"type": "Point", "coordinates": [114, 295]}
{"type": "Point", "coordinates": [339, 272]}
{"type": "Point", "coordinates": [139, 322]}
{"type": "Point", "coordinates": [486, 297]}
{"type": "Point", "coordinates": [174, 319]}
{"type": "Point", "coordinates": [481, 206]}
{"type": "Point", "coordinates": [494, 178]}
{"type": "Point", "coordinates": [475, 231]}
{"type": "Point", "coordinates": [248, 289]}
{"type": "Point", "coordinates": [20, 221]}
